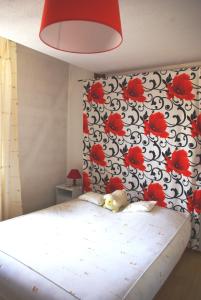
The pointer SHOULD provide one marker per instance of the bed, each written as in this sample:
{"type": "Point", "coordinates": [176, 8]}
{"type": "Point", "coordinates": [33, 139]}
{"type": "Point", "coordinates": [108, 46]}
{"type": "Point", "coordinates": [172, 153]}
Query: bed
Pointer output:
{"type": "Point", "coordinates": [78, 250]}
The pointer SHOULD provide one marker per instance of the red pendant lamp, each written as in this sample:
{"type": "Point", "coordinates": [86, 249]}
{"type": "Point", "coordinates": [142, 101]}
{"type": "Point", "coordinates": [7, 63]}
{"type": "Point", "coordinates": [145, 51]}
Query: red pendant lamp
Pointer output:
{"type": "Point", "coordinates": [81, 26]}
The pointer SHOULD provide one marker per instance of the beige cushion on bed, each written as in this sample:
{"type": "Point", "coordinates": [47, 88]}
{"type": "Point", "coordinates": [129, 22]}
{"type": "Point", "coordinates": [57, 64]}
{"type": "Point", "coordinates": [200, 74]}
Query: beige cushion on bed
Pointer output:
{"type": "Point", "coordinates": [116, 200]}
{"type": "Point", "coordinates": [95, 198]}
{"type": "Point", "coordinates": [140, 206]}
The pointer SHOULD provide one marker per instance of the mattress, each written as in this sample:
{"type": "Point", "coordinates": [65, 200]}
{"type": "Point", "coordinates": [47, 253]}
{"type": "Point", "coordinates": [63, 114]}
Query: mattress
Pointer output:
{"type": "Point", "coordinates": [77, 250]}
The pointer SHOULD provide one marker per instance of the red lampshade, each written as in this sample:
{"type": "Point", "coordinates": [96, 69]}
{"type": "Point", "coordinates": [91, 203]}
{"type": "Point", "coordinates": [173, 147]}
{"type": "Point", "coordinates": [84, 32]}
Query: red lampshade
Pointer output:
{"type": "Point", "coordinates": [81, 26]}
{"type": "Point", "coordinates": [74, 174]}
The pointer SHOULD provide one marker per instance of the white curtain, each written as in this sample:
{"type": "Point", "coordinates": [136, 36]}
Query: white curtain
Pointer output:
{"type": "Point", "coordinates": [10, 189]}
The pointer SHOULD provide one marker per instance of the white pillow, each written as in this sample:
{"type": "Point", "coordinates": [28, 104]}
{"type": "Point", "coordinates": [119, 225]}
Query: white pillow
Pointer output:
{"type": "Point", "coordinates": [95, 198]}
{"type": "Point", "coordinates": [140, 206]}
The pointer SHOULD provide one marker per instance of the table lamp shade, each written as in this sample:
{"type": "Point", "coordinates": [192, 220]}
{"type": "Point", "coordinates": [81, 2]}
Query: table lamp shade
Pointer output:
{"type": "Point", "coordinates": [74, 174]}
{"type": "Point", "coordinates": [81, 26]}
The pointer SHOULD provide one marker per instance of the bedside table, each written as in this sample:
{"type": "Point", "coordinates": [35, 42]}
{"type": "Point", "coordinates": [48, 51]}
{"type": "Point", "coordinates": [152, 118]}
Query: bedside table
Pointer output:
{"type": "Point", "coordinates": [65, 192]}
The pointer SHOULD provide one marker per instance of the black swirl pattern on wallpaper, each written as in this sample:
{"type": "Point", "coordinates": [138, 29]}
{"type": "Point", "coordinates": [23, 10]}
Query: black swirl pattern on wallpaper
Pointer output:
{"type": "Point", "coordinates": [142, 133]}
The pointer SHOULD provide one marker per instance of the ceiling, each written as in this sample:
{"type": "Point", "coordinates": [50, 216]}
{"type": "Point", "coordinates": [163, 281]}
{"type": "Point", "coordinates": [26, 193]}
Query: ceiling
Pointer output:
{"type": "Point", "coordinates": [156, 33]}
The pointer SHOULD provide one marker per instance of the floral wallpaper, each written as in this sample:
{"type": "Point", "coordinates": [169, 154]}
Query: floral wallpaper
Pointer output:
{"type": "Point", "coordinates": [142, 133]}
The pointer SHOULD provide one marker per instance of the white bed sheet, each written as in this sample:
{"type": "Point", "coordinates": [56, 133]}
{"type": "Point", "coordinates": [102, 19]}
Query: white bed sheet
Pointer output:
{"type": "Point", "coordinates": [78, 250]}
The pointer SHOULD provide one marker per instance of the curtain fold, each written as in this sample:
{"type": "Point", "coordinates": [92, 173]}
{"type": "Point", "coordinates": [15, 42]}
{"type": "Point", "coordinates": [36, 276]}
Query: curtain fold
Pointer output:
{"type": "Point", "coordinates": [10, 188]}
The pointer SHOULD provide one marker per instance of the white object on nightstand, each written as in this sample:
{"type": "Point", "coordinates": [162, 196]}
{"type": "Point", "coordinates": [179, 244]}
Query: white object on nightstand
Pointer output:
{"type": "Point", "coordinates": [65, 192]}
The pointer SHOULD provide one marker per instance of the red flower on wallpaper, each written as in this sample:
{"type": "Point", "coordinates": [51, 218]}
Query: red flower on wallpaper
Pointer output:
{"type": "Point", "coordinates": [181, 87]}
{"type": "Point", "coordinates": [154, 192]}
{"type": "Point", "coordinates": [156, 125]}
{"type": "Point", "coordinates": [86, 182]}
{"type": "Point", "coordinates": [194, 202]}
{"type": "Point", "coordinates": [114, 124]}
{"type": "Point", "coordinates": [85, 124]}
{"type": "Point", "coordinates": [97, 155]}
{"type": "Point", "coordinates": [134, 158]}
{"type": "Point", "coordinates": [196, 126]}
{"type": "Point", "coordinates": [179, 162]}
{"type": "Point", "coordinates": [134, 91]}
{"type": "Point", "coordinates": [115, 183]}
{"type": "Point", "coordinates": [96, 93]}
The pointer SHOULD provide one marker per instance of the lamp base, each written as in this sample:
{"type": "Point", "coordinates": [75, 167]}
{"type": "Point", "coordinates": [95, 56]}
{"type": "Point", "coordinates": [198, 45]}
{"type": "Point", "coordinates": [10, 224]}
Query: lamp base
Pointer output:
{"type": "Point", "coordinates": [74, 182]}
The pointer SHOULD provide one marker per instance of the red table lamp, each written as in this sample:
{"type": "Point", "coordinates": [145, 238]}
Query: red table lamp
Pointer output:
{"type": "Point", "coordinates": [74, 174]}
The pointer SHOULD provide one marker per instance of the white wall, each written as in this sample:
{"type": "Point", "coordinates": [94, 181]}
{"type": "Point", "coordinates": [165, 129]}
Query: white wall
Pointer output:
{"type": "Point", "coordinates": [74, 116]}
{"type": "Point", "coordinates": [42, 92]}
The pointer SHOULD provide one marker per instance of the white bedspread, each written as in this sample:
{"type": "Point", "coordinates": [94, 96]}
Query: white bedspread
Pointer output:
{"type": "Point", "coordinates": [82, 251]}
